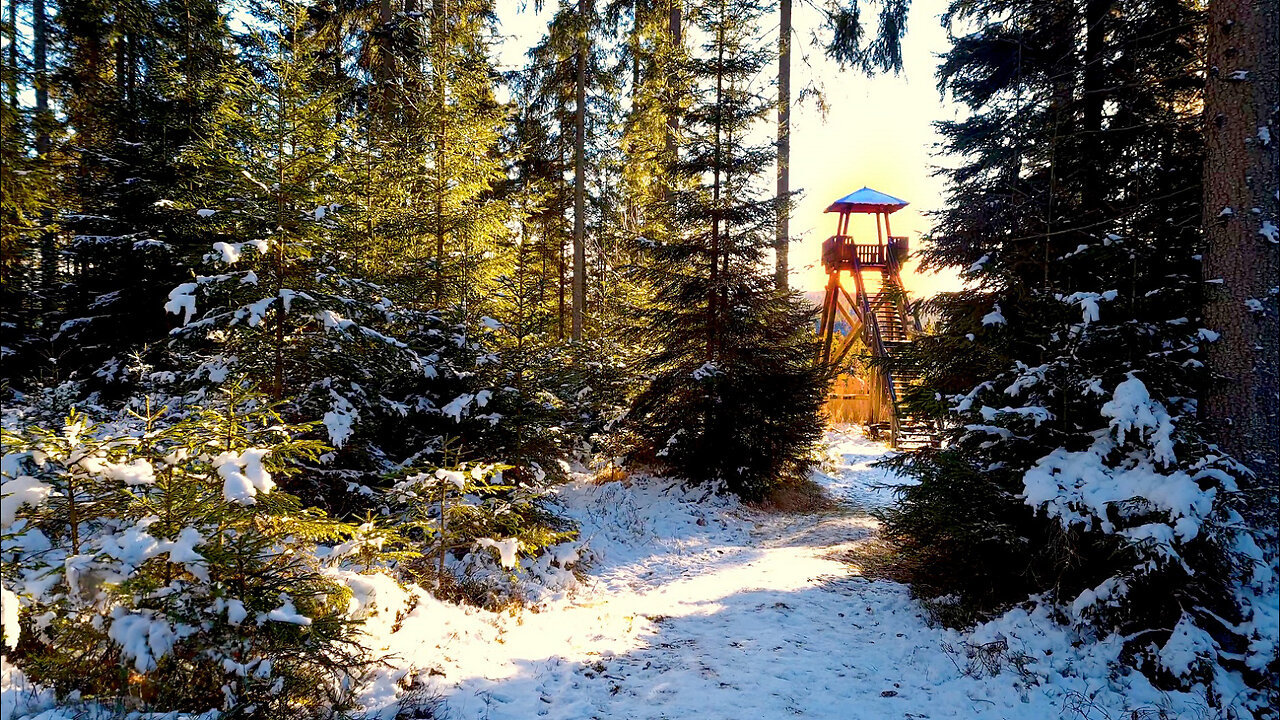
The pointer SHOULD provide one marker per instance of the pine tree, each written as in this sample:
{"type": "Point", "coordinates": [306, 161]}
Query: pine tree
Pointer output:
{"type": "Point", "coordinates": [466, 220]}
{"type": "Point", "coordinates": [735, 394]}
{"type": "Point", "coordinates": [285, 300]}
{"type": "Point", "coordinates": [1067, 374]}
{"type": "Point", "coordinates": [138, 83]}
{"type": "Point", "coordinates": [170, 565]}
{"type": "Point", "coordinates": [28, 194]}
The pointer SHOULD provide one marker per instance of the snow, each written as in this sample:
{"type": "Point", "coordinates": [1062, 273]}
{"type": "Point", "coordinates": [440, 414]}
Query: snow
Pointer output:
{"type": "Point", "coordinates": [1132, 409]}
{"type": "Point", "coordinates": [9, 627]}
{"type": "Point", "coordinates": [506, 549]}
{"type": "Point", "coordinates": [995, 317]}
{"type": "Point", "coordinates": [1036, 413]}
{"type": "Point", "coordinates": [286, 613]}
{"type": "Point", "coordinates": [206, 212]}
{"type": "Point", "coordinates": [699, 606]}
{"type": "Point", "coordinates": [1079, 488]}
{"type": "Point", "coordinates": [138, 472]}
{"type": "Point", "coordinates": [675, 602]}
{"type": "Point", "coordinates": [1269, 231]}
{"type": "Point", "coordinates": [1186, 647]}
{"type": "Point", "coordinates": [143, 637]}
{"type": "Point", "coordinates": [18, 491]}
{"type": "Point", "coordinates": [706, 370]}
{"type": "Point", "coordinates": [182, 299]}
{"type": "Point", "coordinates": [459, 479]}
{"type": "Point", "coordinates": [340, 419]}
{"type": "Point", "coordinates": [228, 253]}
{"type": "Point", "coordinates": [243, 476]}
{"type": "Point", "coordinates": [1088, 302]}
{"type": "Point", "coordinates": [236, 612]}
{"type": "Point", "coordinates": [458, 406]}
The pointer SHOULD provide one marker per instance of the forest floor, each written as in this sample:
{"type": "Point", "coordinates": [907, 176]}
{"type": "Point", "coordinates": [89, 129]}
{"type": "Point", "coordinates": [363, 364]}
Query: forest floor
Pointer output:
{"type": "Point", "coordinates": [694, 605]}
{"type": "Point", "coordinates": [697, 606]}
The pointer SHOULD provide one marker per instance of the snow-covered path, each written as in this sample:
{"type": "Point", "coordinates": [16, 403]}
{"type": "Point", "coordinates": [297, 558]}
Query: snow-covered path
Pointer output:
{"type": "Point", "coordinates": [700, 607]}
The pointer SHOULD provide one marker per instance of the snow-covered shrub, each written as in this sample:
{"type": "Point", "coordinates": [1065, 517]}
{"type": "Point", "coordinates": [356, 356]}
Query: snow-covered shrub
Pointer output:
{"type": "Point", "coordinates": [389, 381]}
{"type": "Point", "coordinates": [1182, 555]}
{"type": "Point", "coordinates": [1075, 472]}
{"type": "Point", "coordinates": [472, 527]}
{"type": "Point", "coordinates": [161, 561]}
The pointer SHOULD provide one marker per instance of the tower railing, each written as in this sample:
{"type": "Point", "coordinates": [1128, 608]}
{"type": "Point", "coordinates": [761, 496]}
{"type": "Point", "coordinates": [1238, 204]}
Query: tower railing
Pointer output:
{"type": "Point", "coordinates": [840, 251]}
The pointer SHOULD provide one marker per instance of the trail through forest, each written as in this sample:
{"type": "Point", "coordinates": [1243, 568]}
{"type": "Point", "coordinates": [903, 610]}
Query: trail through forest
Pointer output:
{"type": "Point", "coordinates": [702, 607]}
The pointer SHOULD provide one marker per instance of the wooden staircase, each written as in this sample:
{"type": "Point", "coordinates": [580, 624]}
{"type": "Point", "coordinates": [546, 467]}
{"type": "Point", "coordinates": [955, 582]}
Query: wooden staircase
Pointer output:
{"type": "Point", "coordinates": [894, 328]}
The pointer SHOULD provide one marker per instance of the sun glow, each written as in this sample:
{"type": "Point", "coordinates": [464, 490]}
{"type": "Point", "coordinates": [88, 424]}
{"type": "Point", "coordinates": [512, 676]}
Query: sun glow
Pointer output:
{"type": "Point", "coordinates": [878, 132]}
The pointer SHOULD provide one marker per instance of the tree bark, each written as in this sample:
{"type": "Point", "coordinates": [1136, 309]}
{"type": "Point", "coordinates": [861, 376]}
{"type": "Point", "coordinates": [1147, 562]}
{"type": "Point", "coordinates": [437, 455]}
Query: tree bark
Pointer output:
{"type": "Point", "coordinates": [439, 42]}
{"type": "Point", "coordinates": [11, 37]}
{"type": "Point", "coordinates": [675, 25]}
{"type": "Point", "coordinates": [40, 61]}
{"type": "Point", "coordinates": [713, 289]}
{"type": "Point", "coordinates": [561, 206]}
{"type": "Point", "coordinates": [782, 243]}
{"type": "Point", "coordinates": [40, 79]}
{"type": "Point", "coordinates": [1240, 220]}
{"type": "Point", "coordinates": [1094, 92]}
{"type": "Point", "coordinates": [579, 175]}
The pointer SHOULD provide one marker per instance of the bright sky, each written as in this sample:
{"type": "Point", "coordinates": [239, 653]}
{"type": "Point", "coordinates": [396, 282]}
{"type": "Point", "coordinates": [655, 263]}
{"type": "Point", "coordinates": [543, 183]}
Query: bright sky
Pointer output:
{"type": "Point", "coordinates": [877, 132]}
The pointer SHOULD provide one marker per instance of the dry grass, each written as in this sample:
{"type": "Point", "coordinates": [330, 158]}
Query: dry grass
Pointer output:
{"type": "Point", "coordinates": [876, 559]}
{"type": "Point", "coordinates": [489, 593]}
{"type": "Point", "coordinates": [612, 473]}
{"type": "Point", "coordinates": [796, 496]}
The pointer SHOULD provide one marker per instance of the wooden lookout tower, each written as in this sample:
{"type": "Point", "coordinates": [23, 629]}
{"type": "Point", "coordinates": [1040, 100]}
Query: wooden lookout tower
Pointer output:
{"type": "Point", "coordinates": [876, 311]}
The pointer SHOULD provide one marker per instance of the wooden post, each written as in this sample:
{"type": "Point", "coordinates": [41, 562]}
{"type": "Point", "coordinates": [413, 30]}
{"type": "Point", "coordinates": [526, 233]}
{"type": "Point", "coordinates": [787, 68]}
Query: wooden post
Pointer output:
{"type": "Point", "coordinates": [828, 314]}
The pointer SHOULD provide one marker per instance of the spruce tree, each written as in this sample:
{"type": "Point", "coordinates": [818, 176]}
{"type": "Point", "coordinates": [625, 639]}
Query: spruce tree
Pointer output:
{"type": "Point", "coordinates": [167, 562]}
{"type": "Point", "coordinates": [138, 83]}
{"type": "Point", "coordinates": [1074, 466]}
{"type": "Point", "coordinates": [28, 195]}
{"type": "Point", "coordinates": [281, 295]}
{"type": "Point", "coordinates": [735, 393]}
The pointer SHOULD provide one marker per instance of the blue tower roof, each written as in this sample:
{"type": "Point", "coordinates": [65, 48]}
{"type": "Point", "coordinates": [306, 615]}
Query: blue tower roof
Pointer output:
{"type": "Point", "coordinates": [867, 200]}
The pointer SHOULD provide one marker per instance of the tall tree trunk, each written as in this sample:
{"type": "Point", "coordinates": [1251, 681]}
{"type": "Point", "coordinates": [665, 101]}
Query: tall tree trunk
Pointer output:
{"type": "Point", "coordinates": [381, 98]}
{"type": "Point", "coordinates": [439, 42]}
{"type": "Point", "coordinates": [636, 10]}
{"type": "Point", "coordinates": [782, 243]}
{"type": "Point", "coordinates": [11, 37]}
{"type": "Point", "coordinates": [40, 79]}
{"type": "Point", "coordinates": [1240, 219]}
{"type": "Point", "coordinates": [675, 24]}
{"type": "Point", "coordinates": [579, 175]}
{"type": "Point", "coordinates": [284, 116]}
{"type": "Point", "coordinates": [713, 289]}
{"type": "Point", "coordinates": [561, 205]}
{"type": "Point", "coordinates": [1094, 92]}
